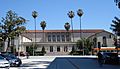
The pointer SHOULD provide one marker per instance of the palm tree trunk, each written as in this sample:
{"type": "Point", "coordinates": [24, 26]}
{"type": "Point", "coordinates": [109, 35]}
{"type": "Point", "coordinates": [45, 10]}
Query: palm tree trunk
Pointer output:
{"type": "Point", "coordinates": [72, 30]}
{"type": "Point", "coordinates": [43, 36]}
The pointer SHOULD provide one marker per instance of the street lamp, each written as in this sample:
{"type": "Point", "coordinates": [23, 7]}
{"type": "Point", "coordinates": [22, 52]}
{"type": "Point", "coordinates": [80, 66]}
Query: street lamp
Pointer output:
{"type": "Point", "coordinates": [71, 15]}
{"type": "Point", "coordinates": [80, 13]}
{"type": "Point", "coordinates": [34, 14]}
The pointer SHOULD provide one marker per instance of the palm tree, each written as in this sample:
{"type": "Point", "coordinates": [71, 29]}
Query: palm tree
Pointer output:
{"type": "Point", "coordinates": [71, 15]}
{"type": "Point", "coordinates": [67, 26]}
{"type": "Point", "coordinates": [84, 44]}
{"type": "Point", "coordinates": [34, 14]}
{"type": "Point", "coordinates": [88, 46]}
{"type": "Point", "coordinates": [116, 29]}
{"type": "Point", "coordinates": [43, 25]}
{"type": "Point", "coordinates": [80, 13]}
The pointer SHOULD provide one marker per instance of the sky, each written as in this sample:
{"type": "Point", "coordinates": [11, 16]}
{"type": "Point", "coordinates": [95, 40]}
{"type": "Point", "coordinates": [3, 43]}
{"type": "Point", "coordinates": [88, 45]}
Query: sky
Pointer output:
{"type": "Point", "coordinates": [98, 14]}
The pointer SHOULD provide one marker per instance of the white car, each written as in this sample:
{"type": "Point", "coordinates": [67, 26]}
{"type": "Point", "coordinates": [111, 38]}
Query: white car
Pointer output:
{"type": "Point", "coordinates": [4, 63]}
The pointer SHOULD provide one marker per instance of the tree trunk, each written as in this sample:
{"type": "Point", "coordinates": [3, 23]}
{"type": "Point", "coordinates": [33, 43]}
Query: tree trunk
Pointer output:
{"type": "Point", "coordinates": [8, 46]}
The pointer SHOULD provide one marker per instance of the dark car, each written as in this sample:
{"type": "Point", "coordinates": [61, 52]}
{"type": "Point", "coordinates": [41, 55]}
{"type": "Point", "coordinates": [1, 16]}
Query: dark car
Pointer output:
{"type": "Point", "coordinates": [13, 60]}
{"type": "Point", "coordinates": [111, 58]}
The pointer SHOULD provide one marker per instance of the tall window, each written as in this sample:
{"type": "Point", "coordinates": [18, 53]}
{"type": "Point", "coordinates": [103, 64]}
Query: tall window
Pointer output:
{"type": "Point", "coordinates": [53, 38]}
{"type": "Point", "coordinates": [65, 48]}
{"type": "Point", "coordinates": [49, 38]}
{"type": "Point", "coordinates": [95, 42]}
{"type": "Point", "coordinates": [58, 38]}
{"type": "Point", "coordinates": [51, 48]}
{"type": "Point", "coordinates": [110, 36]}
{"type": "Point", "coordinates": [58, 48]}
{"type": "Point", "coordinates": [63, 38]}
{"type": "Point", "coordinates": [67, 38]}
{"type": "Point", "coordinates": [104, 42]}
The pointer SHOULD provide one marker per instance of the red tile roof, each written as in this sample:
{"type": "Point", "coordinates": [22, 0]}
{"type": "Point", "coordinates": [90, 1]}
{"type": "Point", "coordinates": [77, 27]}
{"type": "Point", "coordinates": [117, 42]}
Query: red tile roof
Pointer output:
{"type": "Point", "coordinates": [76, 31]}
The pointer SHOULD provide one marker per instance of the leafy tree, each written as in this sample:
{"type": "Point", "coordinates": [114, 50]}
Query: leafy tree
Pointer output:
{"type": "Point", "coordinates": [87, 46]}
{"type": "Point", "coordinates": [84, 44]}
{"type": "Point", "coordinates": [43, 50]}
{"type": "Point", "coordinates": [79, 44]}
{"type": "Point", "coordinates": [116, 29]}
{"type": "Point", "coordinates": [117, 3]}
{"type": "Point", "coordinates": [12, 26]}
{"type": "Point", "coordinates": [73, 51]}
{"type": "Point", "coordinates": [116, 26]}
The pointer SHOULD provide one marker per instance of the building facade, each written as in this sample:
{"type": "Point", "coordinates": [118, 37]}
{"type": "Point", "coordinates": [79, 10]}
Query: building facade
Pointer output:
{"type": "Point", "coordinates": [61, 41]}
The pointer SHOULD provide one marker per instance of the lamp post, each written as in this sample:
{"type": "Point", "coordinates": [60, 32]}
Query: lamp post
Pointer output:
{"type": "Point", "coordinates": [71, 15]}
{"type": "Point", "coordinates": [34, 14]}
{"type": "Point", "coordinates": [80, 13]}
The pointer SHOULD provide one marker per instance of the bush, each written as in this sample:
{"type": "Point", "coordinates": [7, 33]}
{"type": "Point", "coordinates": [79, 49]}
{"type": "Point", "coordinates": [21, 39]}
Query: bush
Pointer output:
{"type": "Point", "coordinates": [39, 53]}
{"type": "Point", "coordinates": [76, 53]}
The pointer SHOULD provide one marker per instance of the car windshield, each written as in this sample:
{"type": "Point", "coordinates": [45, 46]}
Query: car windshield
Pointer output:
{"type": "Point", "coordinates": [8, 55]}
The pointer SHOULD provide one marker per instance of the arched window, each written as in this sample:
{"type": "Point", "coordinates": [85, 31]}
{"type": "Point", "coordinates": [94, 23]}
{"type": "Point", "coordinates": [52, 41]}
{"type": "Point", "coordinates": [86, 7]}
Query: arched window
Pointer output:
{"type": "Point", "coordinates": [95, 42]}
{"type": "Point", "coordinates": [54, 38]}
{"type": "Point", "coordinates": [104, 42]}
{"type": "Point", "coordinates": [49, 38]}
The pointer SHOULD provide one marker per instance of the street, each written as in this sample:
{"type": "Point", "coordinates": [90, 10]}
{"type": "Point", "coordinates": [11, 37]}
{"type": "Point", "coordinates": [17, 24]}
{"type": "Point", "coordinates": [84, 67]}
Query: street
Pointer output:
{"type": "Point", "coordinates": [63, 62]}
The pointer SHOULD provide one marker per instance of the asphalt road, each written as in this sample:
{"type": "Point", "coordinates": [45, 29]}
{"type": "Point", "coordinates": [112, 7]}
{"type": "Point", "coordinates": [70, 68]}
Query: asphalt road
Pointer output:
{"type": "Point", "coordinates": [79, 63]}
{"type": "Point", "coordinates": [53, 62]}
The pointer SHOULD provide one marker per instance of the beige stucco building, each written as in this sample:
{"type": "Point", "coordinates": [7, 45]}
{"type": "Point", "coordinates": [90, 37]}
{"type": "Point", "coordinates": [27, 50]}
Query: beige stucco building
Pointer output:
{"type": "Point", "coordinates": [61, 41]}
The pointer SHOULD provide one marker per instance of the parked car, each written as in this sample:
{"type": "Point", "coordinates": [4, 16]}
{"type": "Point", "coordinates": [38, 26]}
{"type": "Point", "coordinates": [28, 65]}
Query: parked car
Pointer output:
{"type": "Point", "coordinates": [111, 58]}
{"type": "Point", "coordinates": [20, 54]}
{"type": "Point", "coordinates": [13, 60]}
{"type": "Point", "coordinates": [4, 63]}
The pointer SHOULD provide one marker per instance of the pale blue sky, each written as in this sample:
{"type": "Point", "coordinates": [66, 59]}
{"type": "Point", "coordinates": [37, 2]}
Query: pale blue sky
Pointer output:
{"type": "Point", "coordinates": [98, 14]}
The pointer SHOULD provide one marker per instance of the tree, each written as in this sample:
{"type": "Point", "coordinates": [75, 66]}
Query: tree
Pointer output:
{"type": "Point", "coordinates": [116, 29]}
{"type": "Point", "coordinates": [43, 25]}
{"type": "Point", "coordinates": [67, 26]}
{"type": "Point", "coordinates": [34, 15]}
{"type": "Point", "coordinates": [12, 26]}
{"type": "Point", "coordinates": [79, 44]}
{"type": "Point", "coordinates": [73, 51]}
{"type": "Point", "coordinates": [71, 15]}
{"type": "Point", "coordinates": [43, 51]}
{"type": "Point", "coordinates": [117, 3]}
{"type": "Point", "coordinates": [85, 44]}
{"type": "Point", "coordinates": [116, 26]}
